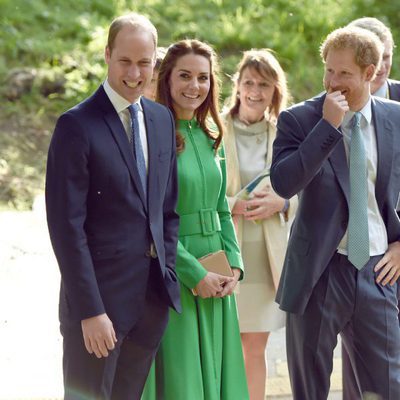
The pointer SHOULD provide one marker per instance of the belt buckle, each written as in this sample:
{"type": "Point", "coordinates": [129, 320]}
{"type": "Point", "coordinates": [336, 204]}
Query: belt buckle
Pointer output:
{"type": "Point", "coordinates": [151, 252]}
{"type": "Point", "coordinates": [204, 213]}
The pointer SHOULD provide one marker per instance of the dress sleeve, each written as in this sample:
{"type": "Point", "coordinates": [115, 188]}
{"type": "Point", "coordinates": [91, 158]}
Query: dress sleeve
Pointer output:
{"type": "Point", "coordinates": [227, 228]}
{"type": "Point", "coordinates": [190, 272]}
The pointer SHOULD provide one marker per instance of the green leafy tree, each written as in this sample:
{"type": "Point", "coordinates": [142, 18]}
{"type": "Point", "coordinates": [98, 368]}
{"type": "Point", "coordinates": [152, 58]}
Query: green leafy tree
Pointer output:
{"type": "Point", "coordinates": [63, 42]}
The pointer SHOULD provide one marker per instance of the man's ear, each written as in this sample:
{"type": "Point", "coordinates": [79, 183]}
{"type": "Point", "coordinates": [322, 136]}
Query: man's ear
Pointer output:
{"type": "Point", "coordinates": [107, 54]}
{"type": "Point", "coordinates": [370, 72]}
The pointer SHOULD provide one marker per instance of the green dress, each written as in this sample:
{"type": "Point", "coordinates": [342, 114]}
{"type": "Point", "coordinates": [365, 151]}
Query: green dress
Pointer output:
{"type": "Point", "coordinates": [200, 356]}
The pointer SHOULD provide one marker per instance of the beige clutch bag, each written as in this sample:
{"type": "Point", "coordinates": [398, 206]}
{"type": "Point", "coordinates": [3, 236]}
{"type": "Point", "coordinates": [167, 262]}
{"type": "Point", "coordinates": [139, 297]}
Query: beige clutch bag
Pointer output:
{"type": "Point", "coordinates": [215, 262]}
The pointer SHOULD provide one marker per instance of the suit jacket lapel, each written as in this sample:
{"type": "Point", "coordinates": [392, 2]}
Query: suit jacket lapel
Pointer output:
{"type": "Point", "coordinates": [337, 158]}
{"type": "Point", "coordinates": [118, 131]}
{"type": "Point", "coordinates": [153, 150]}
{"type": "Point", "coordinates": [384, 140]}
{"type": "Point", "coordinates": [339, 164]}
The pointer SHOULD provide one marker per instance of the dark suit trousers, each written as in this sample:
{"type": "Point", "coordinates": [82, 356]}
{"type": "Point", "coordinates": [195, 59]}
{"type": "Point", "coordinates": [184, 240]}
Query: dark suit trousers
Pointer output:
{"type": "Point", "coordinates": [121, 375]}
{"type": "Point", "coordinates": [351, 390]}
{"type": "Point", "coordinates": [349, 302]}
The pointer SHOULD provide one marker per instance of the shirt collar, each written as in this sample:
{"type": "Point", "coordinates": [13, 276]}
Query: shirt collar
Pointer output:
{"type": "Point", "coordinates": [366, 113]}
{"type": "Point", "coordinates": [119, 103]}
{"type": "Point", "coordinates": [382, 91]}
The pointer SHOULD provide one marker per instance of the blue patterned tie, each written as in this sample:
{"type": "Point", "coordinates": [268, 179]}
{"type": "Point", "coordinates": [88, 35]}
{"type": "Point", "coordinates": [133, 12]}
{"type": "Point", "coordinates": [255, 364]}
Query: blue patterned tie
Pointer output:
{"type": "Point", "coordinates": [358, 236]}
{"type": "Point", "coordinates": [137, 146]}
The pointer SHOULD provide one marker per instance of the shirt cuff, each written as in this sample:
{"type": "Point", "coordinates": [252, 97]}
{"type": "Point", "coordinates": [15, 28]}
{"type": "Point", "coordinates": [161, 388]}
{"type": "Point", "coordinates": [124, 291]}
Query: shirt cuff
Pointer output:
{"type": "Point", "coordinates": [285, 210]}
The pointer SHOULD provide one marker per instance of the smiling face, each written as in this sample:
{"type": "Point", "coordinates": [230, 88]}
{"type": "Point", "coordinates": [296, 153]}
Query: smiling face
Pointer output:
{"type": "Point", "coordinates": [384, 70]}
{"type": "Point", "coordinates": [130, 62]}
{"type": "Point", "coordinates": [343, 74]}
{"type": "Point", "coordinates": [255, 94]}
{"type": "Point", "coordinates": [189, 84]}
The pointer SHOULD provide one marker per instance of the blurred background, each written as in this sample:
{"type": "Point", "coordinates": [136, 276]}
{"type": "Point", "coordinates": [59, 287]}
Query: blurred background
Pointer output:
{"type": "Point", "coordinates": [51, 57]}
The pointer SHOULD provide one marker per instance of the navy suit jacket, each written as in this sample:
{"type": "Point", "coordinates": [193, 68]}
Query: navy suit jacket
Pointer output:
{"type": "Point", "coordinates": [394, 89]}
{"type": "Point", "coordinates": [105, 232]}
{"type": "Point", "coordinates": [309, 160]}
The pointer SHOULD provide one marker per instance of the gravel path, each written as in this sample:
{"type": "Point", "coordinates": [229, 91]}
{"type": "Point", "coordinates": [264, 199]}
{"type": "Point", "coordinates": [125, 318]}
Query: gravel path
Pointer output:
{"type": "Point", "coordinates": [30, 342]}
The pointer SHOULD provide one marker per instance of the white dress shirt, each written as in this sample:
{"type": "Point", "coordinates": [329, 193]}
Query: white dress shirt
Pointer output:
{"type": "Point", "coordinates": [121, 107]}
{"type": "Point", "coordinates": [382, 91]}
{"type": "Point", "coordinates": [378, 241]}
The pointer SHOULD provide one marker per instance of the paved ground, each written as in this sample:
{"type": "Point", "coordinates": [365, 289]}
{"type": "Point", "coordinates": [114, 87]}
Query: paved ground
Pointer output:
{"type": "Point", "coordinates": [30, 343]}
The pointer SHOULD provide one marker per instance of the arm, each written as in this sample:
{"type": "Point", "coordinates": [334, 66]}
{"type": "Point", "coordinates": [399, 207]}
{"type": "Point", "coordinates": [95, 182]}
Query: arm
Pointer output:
{"type": "Point", "coordinates": [263, 205]}
{"type": "Point", "coordinates": [299, 155]}
{"type": "Point", "coordinates": [193, 275]}
{"type": "Point", "coordinates": [227, 229]}
{"type": "Point", "coordinates": [389, 265]}
{"type": "Point", "coordinates": [171, 218]}
{"type": "Point", "coordinates": [231, 245]}
{"type": "Point", "coordinates": [67, 185]}
{"type": "Point", "coordinates": [300, 148]}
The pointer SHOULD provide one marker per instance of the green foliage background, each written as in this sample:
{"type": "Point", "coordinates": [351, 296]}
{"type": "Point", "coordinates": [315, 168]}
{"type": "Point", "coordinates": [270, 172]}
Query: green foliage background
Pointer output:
{"type": "Point", "coordinates": [62, 39]}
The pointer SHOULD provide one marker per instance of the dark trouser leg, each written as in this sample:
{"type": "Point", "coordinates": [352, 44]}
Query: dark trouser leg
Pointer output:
{"type": "Point", "coordinates": [375, 336]}
{"type": "Point", "coordinates": [350, 389]}
{"type": "Point", "coordinates": [86, 377]}
{"type": "Point", "coordinates": [140, 346]}
{"type": "Point", "coordinates": [122, 374]}
{"type": "Point", "coordinates": [312, 336]}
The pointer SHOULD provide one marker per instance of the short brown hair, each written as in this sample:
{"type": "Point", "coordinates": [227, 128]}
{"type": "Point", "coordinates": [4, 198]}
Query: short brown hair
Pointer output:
{"type": "Point", "coordinates": [134, 20]}
{"type": "Point", "coordinates": [367, 47]}
{"type": "Point", "coordinates": [160, 54]}
{"type": "Point", "coordinates": [264, 62]}
{"type": "Point", "coordinates": [375, 26]}
{"type": "Point", "coordinates": [209, 105]}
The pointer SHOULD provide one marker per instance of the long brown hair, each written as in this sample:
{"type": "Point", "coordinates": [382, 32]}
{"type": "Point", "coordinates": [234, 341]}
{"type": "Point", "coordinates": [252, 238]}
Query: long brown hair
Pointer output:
{"type": "Point", "coordinates": [265, 63]}
{"type": "Point", "coordinates": [209, 105]}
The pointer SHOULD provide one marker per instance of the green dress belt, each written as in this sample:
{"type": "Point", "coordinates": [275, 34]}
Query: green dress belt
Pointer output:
{"type": "Point", "coordinates": [205, 221]}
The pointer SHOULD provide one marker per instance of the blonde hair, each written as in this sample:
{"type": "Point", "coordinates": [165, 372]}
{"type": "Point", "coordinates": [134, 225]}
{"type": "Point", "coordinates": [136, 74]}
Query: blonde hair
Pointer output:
{"type": "Point", "coordinates": [264, 63]}
{"type": "Point", "coordinates": [367, 47]}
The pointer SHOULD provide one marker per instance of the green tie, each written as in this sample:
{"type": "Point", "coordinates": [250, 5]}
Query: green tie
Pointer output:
{"type": "Point", "coordinates": [358, 236]}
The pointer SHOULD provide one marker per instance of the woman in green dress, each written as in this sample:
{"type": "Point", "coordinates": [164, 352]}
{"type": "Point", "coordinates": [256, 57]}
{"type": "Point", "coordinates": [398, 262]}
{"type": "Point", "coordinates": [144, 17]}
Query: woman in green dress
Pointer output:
{"type": "Point", "coordinates": [200, 357]}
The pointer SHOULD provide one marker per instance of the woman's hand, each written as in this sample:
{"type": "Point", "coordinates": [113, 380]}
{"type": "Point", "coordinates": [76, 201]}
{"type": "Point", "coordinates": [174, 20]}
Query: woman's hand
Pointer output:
{"type": "Point", "coordinates": [240, 207]}
{"type": "Point", "coordinates": [230, 287]}
{"type": "Point", "coordinates": [212, 284]}
{"type": "Point", "coordinates": [264, 204]}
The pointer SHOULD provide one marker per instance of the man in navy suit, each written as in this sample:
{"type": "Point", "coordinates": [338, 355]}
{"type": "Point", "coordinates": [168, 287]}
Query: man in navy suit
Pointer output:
{"type": "Point", "coordinates": [381, 86]}
{"type": "Point", "coordinates": [111, 200]}
{"type": "Point", "coordinates": [327, 286]}
{"type": "Point", "coordinates": [387, 88]}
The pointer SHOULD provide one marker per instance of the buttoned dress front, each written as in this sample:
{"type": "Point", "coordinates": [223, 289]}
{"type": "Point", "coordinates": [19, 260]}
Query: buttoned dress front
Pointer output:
{"type": "Point", "coordinates": [200, 356]}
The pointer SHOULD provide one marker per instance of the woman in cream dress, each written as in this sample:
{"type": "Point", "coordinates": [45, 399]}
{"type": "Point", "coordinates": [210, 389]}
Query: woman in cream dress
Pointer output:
{"type": "Point", "coordinates": [262, 223]}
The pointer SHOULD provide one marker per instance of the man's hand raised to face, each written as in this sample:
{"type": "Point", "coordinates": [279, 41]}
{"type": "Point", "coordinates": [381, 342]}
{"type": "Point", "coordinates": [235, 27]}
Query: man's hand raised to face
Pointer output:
{"type": "Point", "coordinates": [335, 107]}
